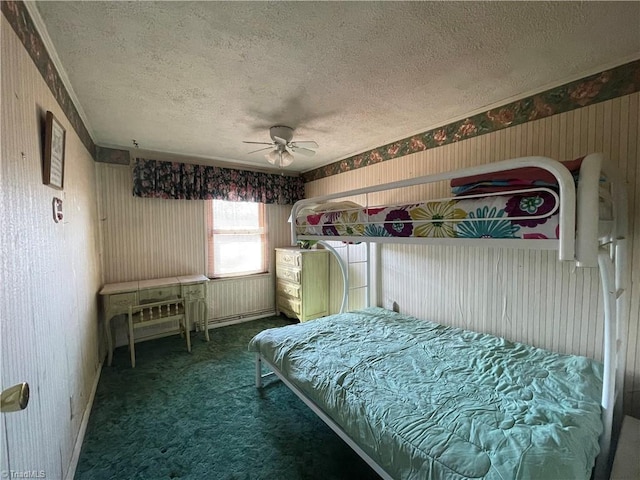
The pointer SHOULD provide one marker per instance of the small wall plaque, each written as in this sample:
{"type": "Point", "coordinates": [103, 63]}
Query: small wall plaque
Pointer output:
{"type": "Point", "coordinates": [54, 143]}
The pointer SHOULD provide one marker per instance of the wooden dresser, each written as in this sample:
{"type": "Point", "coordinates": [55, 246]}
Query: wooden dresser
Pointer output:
{"type": "Point", "coordinates": [302, 283]}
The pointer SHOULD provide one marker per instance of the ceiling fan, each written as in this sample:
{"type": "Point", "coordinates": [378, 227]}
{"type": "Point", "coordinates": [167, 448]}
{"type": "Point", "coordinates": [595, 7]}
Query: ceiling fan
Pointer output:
{"type": "Point", "coordinates": [281, 137]}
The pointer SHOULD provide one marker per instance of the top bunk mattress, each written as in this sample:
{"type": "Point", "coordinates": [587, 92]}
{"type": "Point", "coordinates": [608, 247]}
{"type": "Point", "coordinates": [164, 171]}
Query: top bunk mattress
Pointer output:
{"type": "Point", "coordinates": [530, 214]}
{"type": "Point", "coordinates": [430, 401]}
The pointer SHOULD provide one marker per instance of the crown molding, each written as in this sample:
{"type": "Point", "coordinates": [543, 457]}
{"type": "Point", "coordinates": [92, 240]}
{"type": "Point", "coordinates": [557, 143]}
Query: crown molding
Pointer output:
{"type": "Point", "coordinates": [41, 28]}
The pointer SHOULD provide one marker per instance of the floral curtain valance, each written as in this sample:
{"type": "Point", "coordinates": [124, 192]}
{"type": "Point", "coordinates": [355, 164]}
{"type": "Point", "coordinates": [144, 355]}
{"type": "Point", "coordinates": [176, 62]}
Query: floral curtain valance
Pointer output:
{"type": "Point", "coordinates": [156, 179]}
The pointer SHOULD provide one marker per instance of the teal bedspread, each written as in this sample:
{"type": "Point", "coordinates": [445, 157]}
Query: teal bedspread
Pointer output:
{"type": "Point", "coordinates": [427, 401]}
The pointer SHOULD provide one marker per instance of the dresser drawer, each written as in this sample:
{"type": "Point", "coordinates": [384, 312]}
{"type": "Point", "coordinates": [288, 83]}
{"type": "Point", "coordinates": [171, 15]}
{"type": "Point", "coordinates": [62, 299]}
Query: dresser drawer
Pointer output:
{"type": "Point", "coordinates": [289, 274]}
{"type": "Point", "coordinates": [291, 304]}
{"type": "Point", "coordinates": [192, 292]}
{"type": "Point", "coordinates": [288, 289]}
{"type": "Point", "coordinates": [285, 257]}
{"type": "Point", "coordinates": [162, 293]}
{"type": "Point", "coordinates": [120, 302]}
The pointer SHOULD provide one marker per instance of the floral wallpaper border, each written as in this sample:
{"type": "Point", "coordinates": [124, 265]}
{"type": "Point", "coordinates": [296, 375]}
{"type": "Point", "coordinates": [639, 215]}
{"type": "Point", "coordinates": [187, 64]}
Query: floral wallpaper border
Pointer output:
{"type": "Point", "coordinates": [616, 82]}
{"type": "Point", "coordinates": [20, 20]}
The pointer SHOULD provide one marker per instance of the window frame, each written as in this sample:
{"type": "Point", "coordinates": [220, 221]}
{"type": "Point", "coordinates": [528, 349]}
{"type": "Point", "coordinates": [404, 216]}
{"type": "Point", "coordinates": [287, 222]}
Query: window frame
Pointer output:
{"type": "Point", "coordinates": [210, 241]}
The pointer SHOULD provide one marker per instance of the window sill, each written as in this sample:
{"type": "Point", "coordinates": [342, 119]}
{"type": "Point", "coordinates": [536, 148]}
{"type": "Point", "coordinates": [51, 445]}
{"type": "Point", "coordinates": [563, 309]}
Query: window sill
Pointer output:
{"type": "Point", "coordinates": [240, 277]}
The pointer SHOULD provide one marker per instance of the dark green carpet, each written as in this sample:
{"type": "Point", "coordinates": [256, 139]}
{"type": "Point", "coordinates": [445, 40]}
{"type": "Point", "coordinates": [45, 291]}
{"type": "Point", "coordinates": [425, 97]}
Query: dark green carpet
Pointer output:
{"type": "Point", "coordinates": [199, 416]}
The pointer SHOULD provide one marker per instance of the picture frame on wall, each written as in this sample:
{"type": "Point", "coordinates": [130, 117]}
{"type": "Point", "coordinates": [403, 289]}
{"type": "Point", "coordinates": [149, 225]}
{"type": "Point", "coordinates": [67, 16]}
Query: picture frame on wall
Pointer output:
{"type": "Point", "coordinates": [54, 144]}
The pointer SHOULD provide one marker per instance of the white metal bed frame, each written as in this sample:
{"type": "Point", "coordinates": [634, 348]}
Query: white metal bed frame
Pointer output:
{"type": "Point", "coordinates": [579, 241]}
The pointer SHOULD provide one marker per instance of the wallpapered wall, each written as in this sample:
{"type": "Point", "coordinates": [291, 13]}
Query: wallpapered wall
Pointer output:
{"type": "Point", "coordinates": [523, 295]}
{"type": "Point", "coordinates": [50, 275]}
{"type": "Point", "coordinates": [154, 238]}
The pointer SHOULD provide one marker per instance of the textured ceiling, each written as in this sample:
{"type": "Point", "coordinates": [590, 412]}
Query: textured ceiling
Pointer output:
{"type": "Point", "coordinates": [197, 78]}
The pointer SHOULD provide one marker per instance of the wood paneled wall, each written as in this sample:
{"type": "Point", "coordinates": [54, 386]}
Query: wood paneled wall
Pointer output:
{"type": "Point", "coordinates": [50, 275]}
{"type": "Point", "coordinates": [523, 295]}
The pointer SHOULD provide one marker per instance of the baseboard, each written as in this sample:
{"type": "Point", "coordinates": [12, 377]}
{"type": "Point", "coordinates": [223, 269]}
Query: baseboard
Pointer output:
{"type": "Point", "coordinates": [75, 455]}
{"type": "Point", "coordinates": [238, 319]}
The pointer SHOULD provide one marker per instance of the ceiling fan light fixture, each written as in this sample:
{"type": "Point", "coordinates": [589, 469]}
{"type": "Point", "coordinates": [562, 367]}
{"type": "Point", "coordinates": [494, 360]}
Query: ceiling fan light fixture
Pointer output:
{"type": "Point", "coordinates": [286, 159]}
{"type": "Point", "coordinates": [272, 157]}
{"type": "Point", "coordinates": [281, 158]}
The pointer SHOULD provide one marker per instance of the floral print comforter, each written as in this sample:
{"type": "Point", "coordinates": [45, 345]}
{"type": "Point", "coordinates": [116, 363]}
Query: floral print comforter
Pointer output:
{"type": "Point", "coordinates": [524, 215]}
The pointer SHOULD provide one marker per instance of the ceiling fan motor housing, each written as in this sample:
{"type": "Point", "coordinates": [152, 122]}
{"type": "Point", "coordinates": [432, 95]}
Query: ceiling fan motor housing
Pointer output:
{"type": "Point", "coordinates": [280, 131]}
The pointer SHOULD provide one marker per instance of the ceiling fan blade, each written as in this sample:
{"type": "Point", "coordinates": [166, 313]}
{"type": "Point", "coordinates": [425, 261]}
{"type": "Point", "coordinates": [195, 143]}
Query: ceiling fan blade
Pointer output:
{"type": "Point", "coordinates": [307, 143]}
{"type": "Point", "coordinates": [259, 143]}
{"type": "Point", "coordinates": [259, 150]}
{"type": "Point", "coordinates": [303, 151]}
{"type": "Point", "coordinates": [279, 140]}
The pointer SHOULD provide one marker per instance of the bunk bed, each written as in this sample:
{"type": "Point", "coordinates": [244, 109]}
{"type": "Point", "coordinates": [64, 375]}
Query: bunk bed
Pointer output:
{"type": "Point", "coordinates": [420, 400]}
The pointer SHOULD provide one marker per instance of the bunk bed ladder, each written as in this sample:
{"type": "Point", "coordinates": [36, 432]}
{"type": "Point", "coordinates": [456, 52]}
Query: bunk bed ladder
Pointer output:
{"type": "Point", "coordinates": [344, 261]}
{"type": "Point", "coordinates": [612, 263]}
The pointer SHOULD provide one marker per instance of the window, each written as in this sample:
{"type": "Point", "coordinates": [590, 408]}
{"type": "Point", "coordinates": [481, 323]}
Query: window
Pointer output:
{"type": "Point", "coordinates": [236, 238]}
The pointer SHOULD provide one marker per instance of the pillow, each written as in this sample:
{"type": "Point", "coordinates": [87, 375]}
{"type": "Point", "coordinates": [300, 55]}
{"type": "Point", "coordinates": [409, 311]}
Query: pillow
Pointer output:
{"type": "Point", "coordinates": [327, 207]}
{"type": "Point", "coordinates": [519, 178]}
{"type": "Point", "coordinates": [333, 206]}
